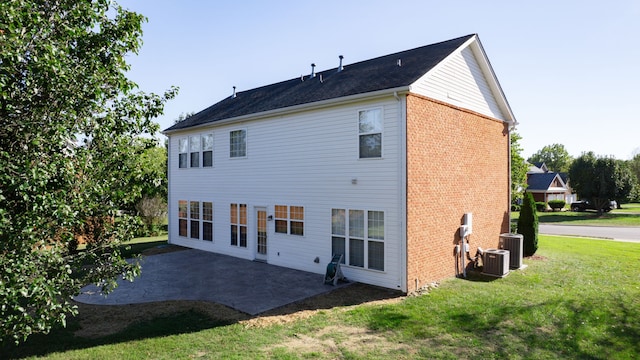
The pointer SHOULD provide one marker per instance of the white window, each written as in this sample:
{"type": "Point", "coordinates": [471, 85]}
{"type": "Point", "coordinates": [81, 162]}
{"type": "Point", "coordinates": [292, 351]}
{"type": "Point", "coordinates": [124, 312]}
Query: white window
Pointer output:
{"type": "Point", "coordinates": [194, 147]}
{"type": "Point", "coordinates": [183, 149]}
{"type": "Point", "coordinates": [194, 215]}
{"type": "Point", "coordinates": [338, 232]}
{"type": "Point", "coordinates": [370, 133]}
{"type": "Point", "coordinates": [207, 221]}
{"type": "Point", "coordinates": [289, 219]}
{"type": "Point", "coordinates": [207, 150]}
{"type": "Point", "coordinates": [238, 219]}
{"type": "Point", "coordinates": [238, 143]}
{"type": "Point", "coordinates": [359, 236]}
{"type": "Point", "coordinates": [182, 218]}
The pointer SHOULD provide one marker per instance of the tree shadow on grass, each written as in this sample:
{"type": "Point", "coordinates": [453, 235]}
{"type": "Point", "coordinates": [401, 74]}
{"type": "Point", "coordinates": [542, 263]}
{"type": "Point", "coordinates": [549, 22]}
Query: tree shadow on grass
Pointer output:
{"type": "Point", "coordinates": [65, 339]}
{"type": "Point", "coordinates": [98, 325]}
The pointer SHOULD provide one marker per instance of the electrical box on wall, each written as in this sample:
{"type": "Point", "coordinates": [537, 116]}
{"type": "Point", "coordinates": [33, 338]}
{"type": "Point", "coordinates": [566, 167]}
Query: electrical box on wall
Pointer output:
{"type": "Point", "coordinates": [468, 221]}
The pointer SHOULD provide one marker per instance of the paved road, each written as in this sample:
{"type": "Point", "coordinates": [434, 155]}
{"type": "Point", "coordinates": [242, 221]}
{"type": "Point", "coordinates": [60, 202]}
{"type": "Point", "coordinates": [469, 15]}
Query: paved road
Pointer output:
{"type": "Point", "coordinates": [607, 232]}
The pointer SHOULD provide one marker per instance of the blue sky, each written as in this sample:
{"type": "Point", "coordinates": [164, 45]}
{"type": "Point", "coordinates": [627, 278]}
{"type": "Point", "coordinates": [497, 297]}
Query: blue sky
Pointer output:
{"type": "Point", "coordinates": [569, 69]}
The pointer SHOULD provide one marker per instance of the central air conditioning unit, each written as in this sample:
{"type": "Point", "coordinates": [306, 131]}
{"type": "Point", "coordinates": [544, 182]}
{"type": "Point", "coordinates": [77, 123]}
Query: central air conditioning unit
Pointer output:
{"type": "Point", "coordinates": [515, 244]}
{"type": "Point", "coordinates": [495, 262]}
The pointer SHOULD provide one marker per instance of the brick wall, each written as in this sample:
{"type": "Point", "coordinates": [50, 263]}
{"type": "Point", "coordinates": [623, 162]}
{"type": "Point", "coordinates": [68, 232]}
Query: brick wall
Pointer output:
{"type": "Point", "coordinates": [457, 162]}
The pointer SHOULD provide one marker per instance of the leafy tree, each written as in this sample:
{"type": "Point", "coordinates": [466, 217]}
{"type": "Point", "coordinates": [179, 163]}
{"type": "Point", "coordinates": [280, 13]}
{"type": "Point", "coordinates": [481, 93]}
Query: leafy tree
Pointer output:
{"type": "Point", "coordinates": [151, 178]}
{"type": "Point", "coordinates": [626, 183]}
{"type": "Point", "coordinates": [528, 225]}
{"type": "Point", "coordinates": [554, 156]}
{"type": "Point", "coordinates": [634, 166]}
{"type": "Point", "coordinates": [601, 179]}
{"type": "Point", "coordinates": [70, 119]}
{"type": "Point", "coordinates": [519, 168]}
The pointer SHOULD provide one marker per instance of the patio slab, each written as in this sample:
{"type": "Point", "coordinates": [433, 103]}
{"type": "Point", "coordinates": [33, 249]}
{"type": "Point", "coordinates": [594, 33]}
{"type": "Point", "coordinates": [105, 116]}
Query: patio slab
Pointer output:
{"type": "Point", "coordinates": [248, 286]}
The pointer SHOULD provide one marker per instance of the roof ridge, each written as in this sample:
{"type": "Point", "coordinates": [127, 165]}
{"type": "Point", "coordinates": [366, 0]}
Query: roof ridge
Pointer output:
{"type": "Point", "coordinates": [365, 76]}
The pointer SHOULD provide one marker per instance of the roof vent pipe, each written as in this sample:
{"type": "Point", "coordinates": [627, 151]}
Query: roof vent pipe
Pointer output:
{"type": "Point", "coordinates": [340, 68]}
{"type": "Point", "coordinates": [234, 92]}
{"type": "Point", "coordinates": [399, 62]}
{"type": "Point", "coordinates": [313, 70]}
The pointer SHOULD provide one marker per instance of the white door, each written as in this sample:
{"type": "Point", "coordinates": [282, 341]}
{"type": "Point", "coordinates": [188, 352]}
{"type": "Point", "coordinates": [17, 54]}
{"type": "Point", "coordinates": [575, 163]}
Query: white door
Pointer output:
{"type": "Point", "coordinates": [261, 234]}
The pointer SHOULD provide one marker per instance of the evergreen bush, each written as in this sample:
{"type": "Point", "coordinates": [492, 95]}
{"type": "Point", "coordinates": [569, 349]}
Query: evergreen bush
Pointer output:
{"type": "Point", "coordinates": [528, 225]}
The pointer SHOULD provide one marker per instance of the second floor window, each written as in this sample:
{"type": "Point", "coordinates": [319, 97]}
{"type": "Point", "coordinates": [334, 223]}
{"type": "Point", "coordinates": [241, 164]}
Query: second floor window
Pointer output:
{"type": "Point", "coordinates": [238, 143]}
{"type": "Point", "coordinates": [183, 150]}
{"type": "Point", "coordinates": [207, 150]}
{"type": "Point", "coordinates": [194, 147]}
{"type": "Point", "coordinates": [370, 133]}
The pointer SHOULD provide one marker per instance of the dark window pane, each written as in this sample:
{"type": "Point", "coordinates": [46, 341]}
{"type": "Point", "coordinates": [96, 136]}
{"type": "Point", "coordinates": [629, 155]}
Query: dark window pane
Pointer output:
{"type": "Point", "coordinates": [376, 255]}
{"type": "Point", "coordinates": [195, 159]}
{"type": "Point", "coordinates": [182, 160]}
{"type": "Point", "coordinates": [207, 158]}
{"type": "Point", "coordinates": [281, 226]}
{"type": "Point", "coordinates": [297, 228]}
{"type": "Point", "coordinates": [182, 226]}
{"type": "Point", "coordinates": [195, 229]}
{"type": "Point", "coordinates": [207, 231]}
{"type": "Point", "coordinates": [234, 235]}
{"type": "Point", "coordinates": [243, 236]}
{"type": "Point", "coordinates": [337, 247]}
{"type": "Point", "coordinates": [371, 146]}
{"type": "Point", "coordinates": [356, 252]}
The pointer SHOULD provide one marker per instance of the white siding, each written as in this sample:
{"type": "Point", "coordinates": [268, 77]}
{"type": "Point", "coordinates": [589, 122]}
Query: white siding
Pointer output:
{"type": "Point", "coordinates": [460, 81]}
{"type": "Point", "coordinates": [307, 159]}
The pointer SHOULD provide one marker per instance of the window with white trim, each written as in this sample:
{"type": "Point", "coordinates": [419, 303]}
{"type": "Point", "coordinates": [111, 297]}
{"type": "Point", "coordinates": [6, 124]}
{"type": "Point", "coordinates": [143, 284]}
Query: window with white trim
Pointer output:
{"type": "Point", "coordinates": [207, 221]}
{"type": "Point", "coordinates": [289, 219]}
{"type": "Point", "coordinates": [338, 233]}
{"type": "Point", "coordinates": [359, 236]}
{"type": "Point", "coordinates": [238, 220]}
{"type": "Point", "coordinates": [183, 149]}
{"type": "Point", "coordinates": [194, 148]}
{"type": "Point", "coordinates": [207, 150]}
{"type": "Point", "coordinates": [238, 143]}
{"type": "Point", "coordinates": [182, 218]}
{"type": "Point", "coordinates": [370, 133]}
{"type": "Point", "coordinates": [194, 215]}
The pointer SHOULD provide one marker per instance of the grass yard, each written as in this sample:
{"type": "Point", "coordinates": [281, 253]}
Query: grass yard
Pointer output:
{"type": "Point", "coordinates": [629, 215]}
{"type": "Point", "coordinates": [578, 299]}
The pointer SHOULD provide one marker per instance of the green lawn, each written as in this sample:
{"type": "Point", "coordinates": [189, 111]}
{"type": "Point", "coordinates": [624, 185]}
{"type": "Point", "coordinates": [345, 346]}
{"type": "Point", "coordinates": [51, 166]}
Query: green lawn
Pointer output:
{"type": "Point", "coordinates": [138, 245]}
{"type": "Point", "coordinates": [579, 299]}
{"type": "Point", "coordinates": [629, 215]}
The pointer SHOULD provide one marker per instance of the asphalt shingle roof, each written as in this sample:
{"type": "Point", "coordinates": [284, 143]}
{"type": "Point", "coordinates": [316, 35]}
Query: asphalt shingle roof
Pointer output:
{"type": "Point", "coordinates": [540, 181]}
{"type": "Point", "coordinates": [372, 75]}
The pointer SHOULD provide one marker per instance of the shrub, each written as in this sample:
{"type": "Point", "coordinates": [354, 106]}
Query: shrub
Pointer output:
{"type": "Point", "coordinates": [152, 211]}
{"type": "Point", "coordinates": [528, 225]}
{"type": "Point", "coordinates": [557, 204]}
{"type": "Point", "coordinates": [541, 206]}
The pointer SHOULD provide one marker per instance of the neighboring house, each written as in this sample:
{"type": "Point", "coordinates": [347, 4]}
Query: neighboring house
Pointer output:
{"type": "Point", "coordinates": [377, 160]}
{"type": "Point", "coordinates": [547, 185]}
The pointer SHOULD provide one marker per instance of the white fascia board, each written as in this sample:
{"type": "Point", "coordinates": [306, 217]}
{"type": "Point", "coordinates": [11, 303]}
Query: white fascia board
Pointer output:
{"type": "Point", "coordinates": [298, 108]}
